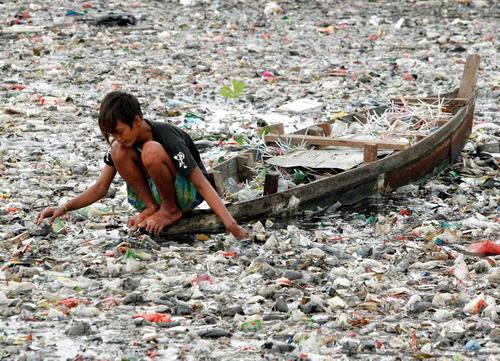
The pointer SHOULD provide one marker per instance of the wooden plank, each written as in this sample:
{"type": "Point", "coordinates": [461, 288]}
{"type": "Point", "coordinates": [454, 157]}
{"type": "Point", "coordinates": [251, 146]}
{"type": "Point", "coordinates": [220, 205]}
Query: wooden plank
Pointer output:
{"type": "Point", "coordinates": [217, 181]}
{"type": "Point", "coordinates": [271, 183]}
{"type": "Point", "coordinates": [277, 128]}
{"type": "Point", "coordinates": [326, 141]}
{"type": "Point", "coordinates": [327, 128]}
{"type": "Point", "coordinates": [469, 77]}
{"type": "Point", "coordinates": [228, 168]}
{"type": "Point", "coordinates": [231, 167]}
{"type": "Point", "coordinates": [370, 153]}
{"type": "Point", "coordinates": [459, 136]}
{"type": "Point", "coordinates": [245, 166]}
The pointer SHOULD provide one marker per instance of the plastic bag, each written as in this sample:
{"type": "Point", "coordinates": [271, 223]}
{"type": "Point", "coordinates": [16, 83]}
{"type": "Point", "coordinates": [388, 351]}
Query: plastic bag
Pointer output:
{"type": "Point", "coordinates": [486, 248]}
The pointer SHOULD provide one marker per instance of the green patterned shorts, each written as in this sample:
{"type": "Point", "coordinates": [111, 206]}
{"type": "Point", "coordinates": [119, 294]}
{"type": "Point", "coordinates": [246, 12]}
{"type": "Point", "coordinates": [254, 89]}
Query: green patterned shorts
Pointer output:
{"type": "Point", "coordinates": [188, 197]}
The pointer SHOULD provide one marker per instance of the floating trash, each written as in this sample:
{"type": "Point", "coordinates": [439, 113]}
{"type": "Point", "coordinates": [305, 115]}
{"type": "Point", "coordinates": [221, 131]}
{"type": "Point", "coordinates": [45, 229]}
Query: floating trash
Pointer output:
{"type": "Point", "coordinates": [413, 273]}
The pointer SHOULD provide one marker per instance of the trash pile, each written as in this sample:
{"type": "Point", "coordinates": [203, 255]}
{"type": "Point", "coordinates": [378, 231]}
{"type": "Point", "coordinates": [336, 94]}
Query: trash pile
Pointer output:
{"type": "Point", "coordinates": [406, 117]}
{"type": "Point", "coordinates": [411, 274]}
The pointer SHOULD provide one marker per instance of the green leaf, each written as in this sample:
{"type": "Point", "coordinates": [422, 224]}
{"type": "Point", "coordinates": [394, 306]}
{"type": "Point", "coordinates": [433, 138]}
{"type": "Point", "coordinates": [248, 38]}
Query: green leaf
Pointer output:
{"type": "Point", "coordinates": [264, 130]}
{"type": "Point", "coordinates": [238, 87]}
{"type": "Point", "coordinates": [241, 140]}
{"type": "Point", "coordinates": [226, 92]}
{"type": "Point", "coordinates": [233, 91]}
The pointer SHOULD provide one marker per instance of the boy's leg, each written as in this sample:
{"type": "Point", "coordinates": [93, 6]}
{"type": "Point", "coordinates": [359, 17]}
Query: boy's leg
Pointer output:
{"type": "Point", "coordinates": [128, 163]}
{"type": "Point", "coordinates": [161, 170]}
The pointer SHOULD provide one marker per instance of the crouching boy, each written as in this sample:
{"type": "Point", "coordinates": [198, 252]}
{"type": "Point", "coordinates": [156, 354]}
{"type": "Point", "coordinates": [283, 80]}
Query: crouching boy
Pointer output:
{"type": "Point", "coordinates": [160, 164]}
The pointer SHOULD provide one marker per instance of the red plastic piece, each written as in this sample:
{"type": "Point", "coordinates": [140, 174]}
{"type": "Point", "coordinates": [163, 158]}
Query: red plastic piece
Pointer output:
{"type": "Point", "coordinates": [486, 248]}
{"type": "Point", "coordinates": [69, 302]}
{"type": "Point", "coordinates": [154, 317]}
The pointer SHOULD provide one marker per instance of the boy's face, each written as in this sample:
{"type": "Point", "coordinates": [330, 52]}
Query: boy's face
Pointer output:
{"type": "Point", "coordinates": [126, 135]}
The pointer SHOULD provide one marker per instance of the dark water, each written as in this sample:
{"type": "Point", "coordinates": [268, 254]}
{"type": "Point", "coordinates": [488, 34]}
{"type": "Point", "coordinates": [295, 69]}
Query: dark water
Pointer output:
{"type": "Point", "coordinates": [332, 216]}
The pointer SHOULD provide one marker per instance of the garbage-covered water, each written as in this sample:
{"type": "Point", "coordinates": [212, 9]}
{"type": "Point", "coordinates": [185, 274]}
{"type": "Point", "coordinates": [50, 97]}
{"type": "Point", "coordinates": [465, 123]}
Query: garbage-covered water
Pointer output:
{"type": "Point", "coordinates": [413, 274]}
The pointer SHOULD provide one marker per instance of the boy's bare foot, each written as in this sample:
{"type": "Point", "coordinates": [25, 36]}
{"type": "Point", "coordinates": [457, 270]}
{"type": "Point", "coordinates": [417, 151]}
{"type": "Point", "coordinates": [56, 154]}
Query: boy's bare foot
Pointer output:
{"type": "Point", "coordinates": [135, 220]}
{"type": "Point", "coordinates": [159, 220]}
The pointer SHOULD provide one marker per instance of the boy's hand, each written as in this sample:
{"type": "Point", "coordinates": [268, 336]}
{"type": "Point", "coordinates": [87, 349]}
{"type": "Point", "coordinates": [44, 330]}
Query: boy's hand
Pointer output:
{"type": "Point", "coordinates": [50, 212]}
{"type": "Point", "coordinates": [237, 231]}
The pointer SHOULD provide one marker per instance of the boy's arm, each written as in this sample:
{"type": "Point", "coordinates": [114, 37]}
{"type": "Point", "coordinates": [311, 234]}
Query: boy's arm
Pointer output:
{"type": "Point", "coordinates": [92, 194]}
{"type": "Point", "coordinates": [210, 195]}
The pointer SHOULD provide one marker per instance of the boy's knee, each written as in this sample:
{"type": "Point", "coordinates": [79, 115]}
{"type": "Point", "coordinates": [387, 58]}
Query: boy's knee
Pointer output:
{"type": "Point", "coordinates": [152, 153]}
{"type": "Point", "coordinates": [118, 152]}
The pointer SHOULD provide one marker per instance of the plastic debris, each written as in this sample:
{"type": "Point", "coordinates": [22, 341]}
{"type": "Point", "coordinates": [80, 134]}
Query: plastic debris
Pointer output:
{"type": "Point", "coordinates": [472, 346]}
{"type": "Point", "coordinates": [154, 317]}
{"type": "Point", "coordinates": [398, 274]}
{"type": "Point", "coordinates": [486, 248]}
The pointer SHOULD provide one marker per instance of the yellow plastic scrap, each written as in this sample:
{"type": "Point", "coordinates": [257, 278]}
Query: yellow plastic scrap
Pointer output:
{"type": "Point", "coordinates": [338, 115]}
{"type": "Point", "coordinates": [202, 237]}
{"type": "Point", "coordinates": [4, 196]}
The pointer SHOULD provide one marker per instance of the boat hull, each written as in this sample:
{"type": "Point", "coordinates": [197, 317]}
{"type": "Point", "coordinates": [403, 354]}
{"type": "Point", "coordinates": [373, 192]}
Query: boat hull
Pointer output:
{"type": "Point", "coordinates": [424, 159]}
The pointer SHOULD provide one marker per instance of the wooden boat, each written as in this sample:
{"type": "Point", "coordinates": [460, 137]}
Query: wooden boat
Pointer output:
{"type": "Point", "coordinates": [427, 156]}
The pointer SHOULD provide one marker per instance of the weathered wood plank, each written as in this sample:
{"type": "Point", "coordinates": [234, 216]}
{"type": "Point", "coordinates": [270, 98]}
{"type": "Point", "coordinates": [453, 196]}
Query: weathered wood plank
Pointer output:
{"type": "Point", "coordinates": [245, 166]}
{"type": "Point", "coordinates": [327, 128]}
{"type": "Point", "coordinates": [277, 128]}
{"type": "Point", "coordinates": [469, 77]}
{"type": "Point", "coordinates": [232, 166]}
{"type": "Point", "coordinates": [370, 153]}
{"type": "Point", "coordinates": [216, 180]}
{"type": "Point", "coordinates": [271, 183]}
{"type": "Point", "coordinates": [228, 168]}
{"type": "Point", "coordinates": [326, 141]}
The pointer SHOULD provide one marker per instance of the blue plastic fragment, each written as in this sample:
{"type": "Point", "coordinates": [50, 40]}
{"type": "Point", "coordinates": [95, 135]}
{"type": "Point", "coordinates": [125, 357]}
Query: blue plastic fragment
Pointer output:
{"type": "Point", "coordinates": [472, 346]}
{"type": "Point", "coordinates": [74, 13]}
{"type": "Point", "coordinates": [445, 224]}
{"type": "Point", "coordinates": [439, 242]}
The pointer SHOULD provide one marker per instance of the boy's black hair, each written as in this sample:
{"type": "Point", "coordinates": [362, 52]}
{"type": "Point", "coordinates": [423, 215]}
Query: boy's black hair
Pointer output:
{"type": "Point", "coordinates": [117, 106]}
